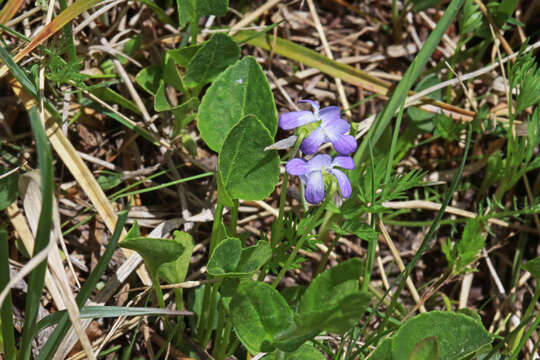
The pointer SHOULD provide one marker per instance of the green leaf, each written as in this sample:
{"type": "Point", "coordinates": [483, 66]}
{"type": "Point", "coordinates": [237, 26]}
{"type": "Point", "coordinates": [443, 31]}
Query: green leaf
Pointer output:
{"type": "Point", "coordinates": [471, 243]}
{"type": "Point", "coordinates": [533, 266]}
{"type": "Point", "coordinates": [160, 98]}
{"type": "Point", "coordinates": [225, 257]}
{"type": "Point", "coordinates": [155, 252]}
{"type": "Point", "coordinates": [171, 76]}
{"type": "Point", "coordinates": [229, 259]}
{"type": "Point", "coordinates": [458, 335]}
{"type": "Point", "coordinates": [305, 352]}
{"type": "Point", "coordinates": [149, 77]}
{"type": "Point", "coordinates": [8, 188]}
{"type": "Point", "coordinates": [110, 96]}
{"type": "Point", "coordinates": [332, 301]}
{"type": "Point", "coordinates": [110, 180]}
{"type": "Point", "coordinates": [505, 10]}
{"type": "Point", "coordinates": [293, 295]}
{"type": "Point", "coordinates": [175, 271]}
{"type": "Point", "coordinates": [191, 10]}
{"type": "Point", "coordinates": [421, 5]}
{"type": "Point", "coordinates": [223, 195]}
{"type": "Point", "coordinates": [259, 313]}
{"type": "Point", "coordinates": [247, 171]}
{"type": "Point", "coordinates": [426, 349]}
{"type": "Point", "coordinates": [184, 55]}
{"type": "Point", "coordinates": [423, 119]}
{"type": "Point", "coordinates": [211, 60]}
{"type": "Point", "coordinates": [240, 90]}
{"type": "Point", "coordinates": [383, 351]}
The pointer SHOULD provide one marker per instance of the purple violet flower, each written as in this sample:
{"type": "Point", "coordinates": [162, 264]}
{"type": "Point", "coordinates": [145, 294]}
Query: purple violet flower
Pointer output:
{"type": "Point", "coordinates": [311, 174]}
{"type": "Point", "coordinates": [332, 128]}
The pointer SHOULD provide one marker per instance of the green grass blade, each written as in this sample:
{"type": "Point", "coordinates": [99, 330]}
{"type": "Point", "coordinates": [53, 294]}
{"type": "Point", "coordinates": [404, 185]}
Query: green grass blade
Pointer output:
{"type": "Point", "coordinates": [96, 312]}
{"type": "Point", "coordinates": [6, 312]}
{"type": "Point", "coordinates": [37, 276]}
{"type": "Point", "coordinates": [167, 184]}
{"type": "Point", "coordinates": [411, 75]}
{"type": "Point", "coordinates": [86, 290]}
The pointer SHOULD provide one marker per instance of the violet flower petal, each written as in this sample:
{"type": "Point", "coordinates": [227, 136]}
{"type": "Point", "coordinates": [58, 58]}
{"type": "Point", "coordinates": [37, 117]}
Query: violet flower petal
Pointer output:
{"type": "Point", "coordinates": [335, 127]}
{"type": "Point", "coordinates": [315, 105]}
{"type": "Point", "coordinates": [345, 162]}
{"type": "Point", "coordinates": [295, 119]}
{"type": "Point", "coordinates": [344, 144]}
{"type": "Point", "coordinates": [314, 187]}
{"type": "Point", "coordinates": [329, 114]}
{"type": "Point", "coordinates": [311, 144]}
{"type": "Point", "coordinates": [319, 162]}
{"type": "Point", "coordinates": [343, 181]}
{"type": "Point", "coordinates": [297, 167]}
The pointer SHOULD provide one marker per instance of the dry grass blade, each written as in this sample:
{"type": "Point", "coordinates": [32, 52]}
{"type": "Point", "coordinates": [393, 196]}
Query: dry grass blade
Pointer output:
{"type": "Point", "coordinates": [320, 30]}
{"type": "Point", "coordinates": [26, 269]}
{"type": "Point", "coordinates": [9, 10]}
{"type": "Point", "coordinates": [50, 29]}
{"type": "Point", "coordinates": [401, 265]}
{"type": "Point", "coordinates": [21, 227]}
{"type": "Point", "coordinates": [31, 194]}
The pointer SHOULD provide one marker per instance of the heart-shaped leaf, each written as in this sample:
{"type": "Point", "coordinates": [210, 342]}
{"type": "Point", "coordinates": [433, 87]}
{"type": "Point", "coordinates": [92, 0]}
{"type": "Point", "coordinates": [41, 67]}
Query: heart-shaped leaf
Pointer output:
{"type": "Point", "coordinates": [305, 352]}
{"type": "Point", "coordinates": [211, 60]}
{"type": "Point", "coordinates": [259, 313]}
{"type": "Point", "coordinates": [247, 171]}
{"type": "Point", "coordinates": [332, 301]}
{"type": "Point", "coordinates": [154, 252]}
{"type": "Point", "coordinates": [457, 335]}
{"type": "Point", "coordinates": [383, 351]}
{"type": "Point", "coordinates": [240, 90]}
{"type": "Point", "coordinates": [426, 349]}
{"type": "Point", "coordinates": [191, 10]}
{"type": "Point", "coordinates": [229, 259]}
{"type": "Point", "coordinates": [176, 270]}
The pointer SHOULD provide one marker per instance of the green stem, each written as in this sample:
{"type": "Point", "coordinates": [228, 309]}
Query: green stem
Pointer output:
{"type": "Point", "coordinates": [218, 220]}
{"type": "Point", "coordinates": [277, 227]}
{"type": "Point", "coordinates": [324, 232]}
{"type": "Point", "coordinates": [223, 334]}
{"type": "Point", "coordinates": [219, 332]}
{"type": "Point", "coordinates": [212, 314]}
{"type": "Point", "coordinates": [214, 241]}
{"type": "Point", "coordinates": [160, 299]}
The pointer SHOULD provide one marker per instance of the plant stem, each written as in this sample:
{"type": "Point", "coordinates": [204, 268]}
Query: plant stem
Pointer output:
{"type": "Point", "coordinates": [323, 236]}
{"type": "Point", "coordinates": [277, 227]}
{"type": "Point", "coordinates": [218, 220]}
{"type": "Point", "coordinates": [160, 299]}
{"type": "Point", "coordinates": [212, 314]}
{"type": "Point", "coordinates": [214, 241]}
